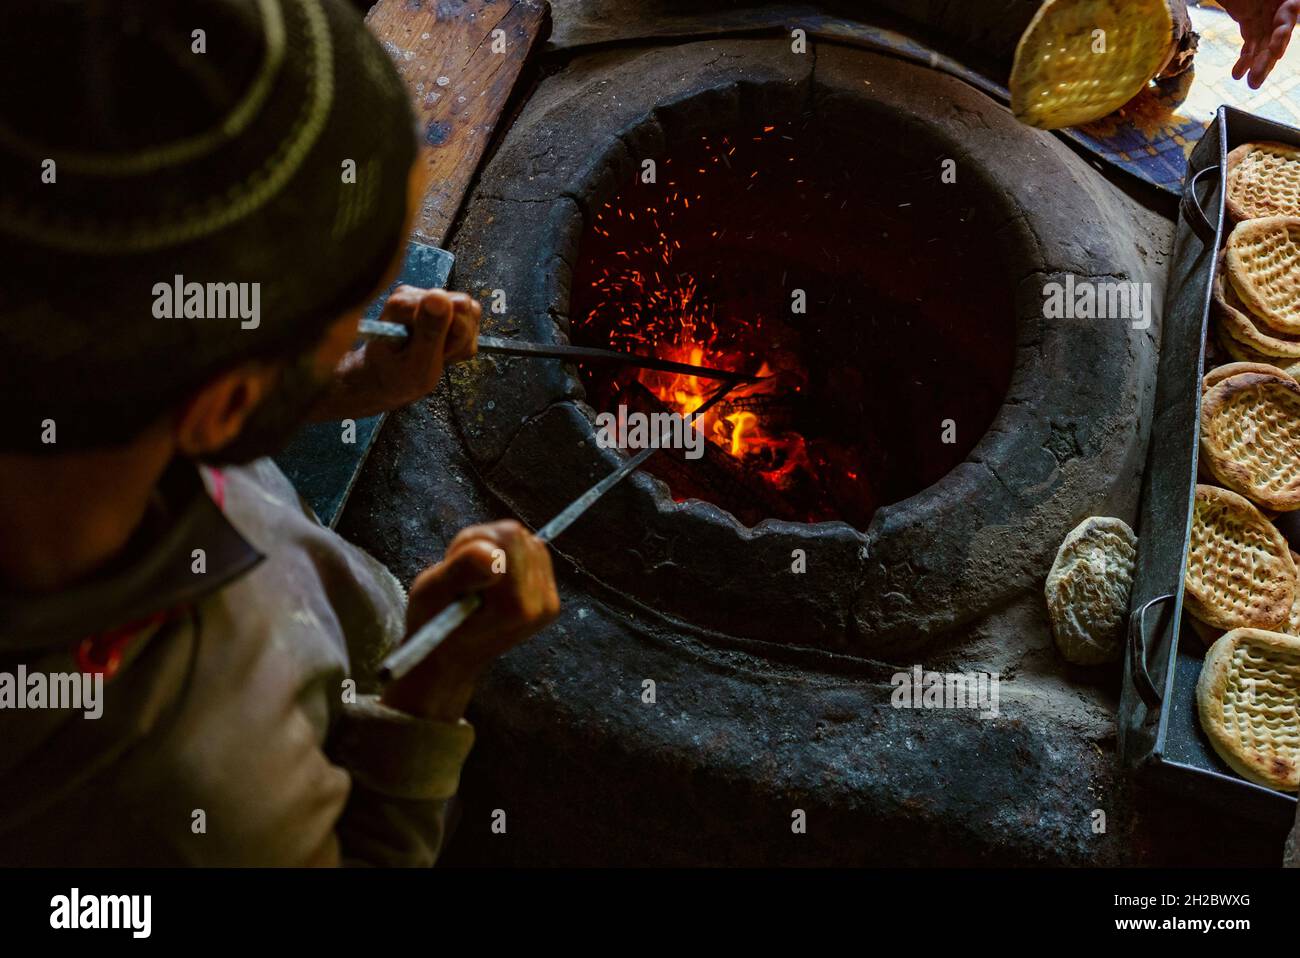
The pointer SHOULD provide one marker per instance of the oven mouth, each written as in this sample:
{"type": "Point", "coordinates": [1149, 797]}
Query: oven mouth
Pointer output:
{"type": "Point", "coordinates": [1062, 440]}
{"type": "Point", "coordinates": [851, 270]}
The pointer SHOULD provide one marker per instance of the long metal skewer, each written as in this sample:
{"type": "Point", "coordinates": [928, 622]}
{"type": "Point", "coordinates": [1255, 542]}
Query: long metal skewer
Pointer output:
{"type": "Point", "coordinates": [432, 634]}
{"type": "Point", "coordinates": [382, 329]}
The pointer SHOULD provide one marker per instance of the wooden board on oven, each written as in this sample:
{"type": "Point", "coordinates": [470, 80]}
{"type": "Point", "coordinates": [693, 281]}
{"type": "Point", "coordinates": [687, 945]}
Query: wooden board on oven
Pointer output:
{"type": "Point", "coordinates": [460, 73]}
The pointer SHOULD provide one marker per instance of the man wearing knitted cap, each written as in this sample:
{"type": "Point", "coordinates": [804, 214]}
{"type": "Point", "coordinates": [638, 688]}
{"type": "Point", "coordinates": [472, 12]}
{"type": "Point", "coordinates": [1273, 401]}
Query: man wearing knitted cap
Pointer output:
{"type": "Point", "coordinates": [187, 257]}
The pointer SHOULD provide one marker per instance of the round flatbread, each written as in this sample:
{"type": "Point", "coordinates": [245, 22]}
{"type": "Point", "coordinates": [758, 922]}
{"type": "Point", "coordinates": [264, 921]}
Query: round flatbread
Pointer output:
{"type": "Point", "coordinates": [1088, 589]}
{"type": "Point", "coordinates": [1079, 60]}
{"type": "Point", "coordinates": [1250, 437]}
{"type": "Point", "coordinates": [1239, 569]}
{"type": "Point", "coordinates": [1263, 265]}
{"type": "Point", "coordinates": [1292, 624]}
{"type": "Point", "coordinates": [1219, 373]}
{"type": "Point", "coordinates": [1263, 180]}
{"type": "Point", "coordinates": [1241, 325]}
{"type": "Point", "coordinates": [1246, 698]}
{"type": "Point", "coordinates": [1240, 353]}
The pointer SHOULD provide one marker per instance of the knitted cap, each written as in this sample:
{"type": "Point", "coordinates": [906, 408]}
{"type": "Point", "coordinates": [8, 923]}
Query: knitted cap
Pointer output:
{"type": "Point", "coordinates": [254, 152]}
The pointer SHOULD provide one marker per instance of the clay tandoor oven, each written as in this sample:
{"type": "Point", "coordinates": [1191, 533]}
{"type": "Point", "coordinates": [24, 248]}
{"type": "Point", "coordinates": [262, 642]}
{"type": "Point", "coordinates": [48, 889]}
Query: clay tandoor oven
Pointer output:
{"type": "Point", "coordinates": [932, 440]}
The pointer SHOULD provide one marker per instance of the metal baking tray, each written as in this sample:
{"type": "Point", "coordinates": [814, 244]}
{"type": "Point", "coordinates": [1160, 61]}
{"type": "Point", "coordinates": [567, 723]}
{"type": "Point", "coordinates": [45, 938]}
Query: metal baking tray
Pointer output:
{"type": "Point", "coordinates": [1160, 736]}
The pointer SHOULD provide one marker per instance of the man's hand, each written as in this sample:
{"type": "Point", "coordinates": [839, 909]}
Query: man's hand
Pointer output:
{"type": "Point", "coordinates": [383, 375]}
{"type": "Point", "coordinates": [1266, 27]}
{"type": "Point", "coordinates": [511, 569]}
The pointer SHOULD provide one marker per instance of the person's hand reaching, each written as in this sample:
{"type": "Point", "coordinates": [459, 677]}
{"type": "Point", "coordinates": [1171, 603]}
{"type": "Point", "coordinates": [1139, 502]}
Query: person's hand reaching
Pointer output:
{"type": "Point", "coordinates": [1266, 27]}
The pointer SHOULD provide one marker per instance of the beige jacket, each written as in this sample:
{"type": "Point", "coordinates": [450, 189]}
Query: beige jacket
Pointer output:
{"type": "Point", "coordinates": [241, 730]}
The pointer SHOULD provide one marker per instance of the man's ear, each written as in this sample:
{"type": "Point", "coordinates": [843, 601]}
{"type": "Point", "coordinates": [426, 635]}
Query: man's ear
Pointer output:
{"type": "Point", "coordinates": [216, 414]}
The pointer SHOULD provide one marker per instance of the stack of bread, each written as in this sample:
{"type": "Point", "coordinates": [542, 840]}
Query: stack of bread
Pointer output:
{"type": "Point", "coordinates": [1242, 589]}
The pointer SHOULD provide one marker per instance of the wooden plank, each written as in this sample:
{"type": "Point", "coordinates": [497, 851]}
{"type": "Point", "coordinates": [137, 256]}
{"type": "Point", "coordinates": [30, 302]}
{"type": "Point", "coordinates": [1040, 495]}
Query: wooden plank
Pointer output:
{"type": "Point", "coordinates": [460, 74]}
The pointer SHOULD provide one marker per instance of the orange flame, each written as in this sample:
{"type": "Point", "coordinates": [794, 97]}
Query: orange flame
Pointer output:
{"type": "Point", "coordinates": [743, 434]}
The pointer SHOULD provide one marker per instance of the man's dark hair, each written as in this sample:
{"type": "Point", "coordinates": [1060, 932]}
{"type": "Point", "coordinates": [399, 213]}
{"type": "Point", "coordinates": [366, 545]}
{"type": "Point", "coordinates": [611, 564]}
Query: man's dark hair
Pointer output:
{"type": "Point", "coordinates": [142, 140]}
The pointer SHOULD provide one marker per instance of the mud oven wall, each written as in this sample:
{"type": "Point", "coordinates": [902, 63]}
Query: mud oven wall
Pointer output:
{"type": "Point", "coordinates": [771, 690]}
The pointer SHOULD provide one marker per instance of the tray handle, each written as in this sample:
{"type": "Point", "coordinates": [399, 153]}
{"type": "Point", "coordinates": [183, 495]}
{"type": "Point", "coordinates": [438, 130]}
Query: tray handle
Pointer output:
{"type": "Point", "coordinates": [1137, 650]}
{"type": "Point", "coordinates": [1192, 211]}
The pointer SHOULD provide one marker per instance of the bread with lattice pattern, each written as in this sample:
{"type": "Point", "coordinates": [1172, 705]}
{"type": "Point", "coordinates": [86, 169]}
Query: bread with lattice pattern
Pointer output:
{"type": "Point", "coordinates": [1239, 323]}
{"type": "Point", "coordinates": [1250, 437]}
{"type": "Point", "coordinates": [1246, 698]}
{"type": "Point", "coordinates": [1263, 266]}
{"type": "Point", "coordinates": [1239, 569]}
{"type": "Point", "coordinates": [1263, 180]}
{"type": "Point", "coordinates": [1079, 60]}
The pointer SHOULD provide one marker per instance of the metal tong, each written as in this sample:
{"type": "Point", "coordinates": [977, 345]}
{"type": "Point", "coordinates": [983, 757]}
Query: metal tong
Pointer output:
{"type": "Point", "coordinates": [381, 329]}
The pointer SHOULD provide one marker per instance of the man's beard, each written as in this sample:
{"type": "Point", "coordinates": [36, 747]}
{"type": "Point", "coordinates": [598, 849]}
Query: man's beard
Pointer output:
{"type": "Point", "coordinates": [276, 418]}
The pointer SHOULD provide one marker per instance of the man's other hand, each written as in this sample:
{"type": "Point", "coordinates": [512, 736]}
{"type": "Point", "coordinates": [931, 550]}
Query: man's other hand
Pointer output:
{"type": "Point", "coordinates": [511, 569]}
